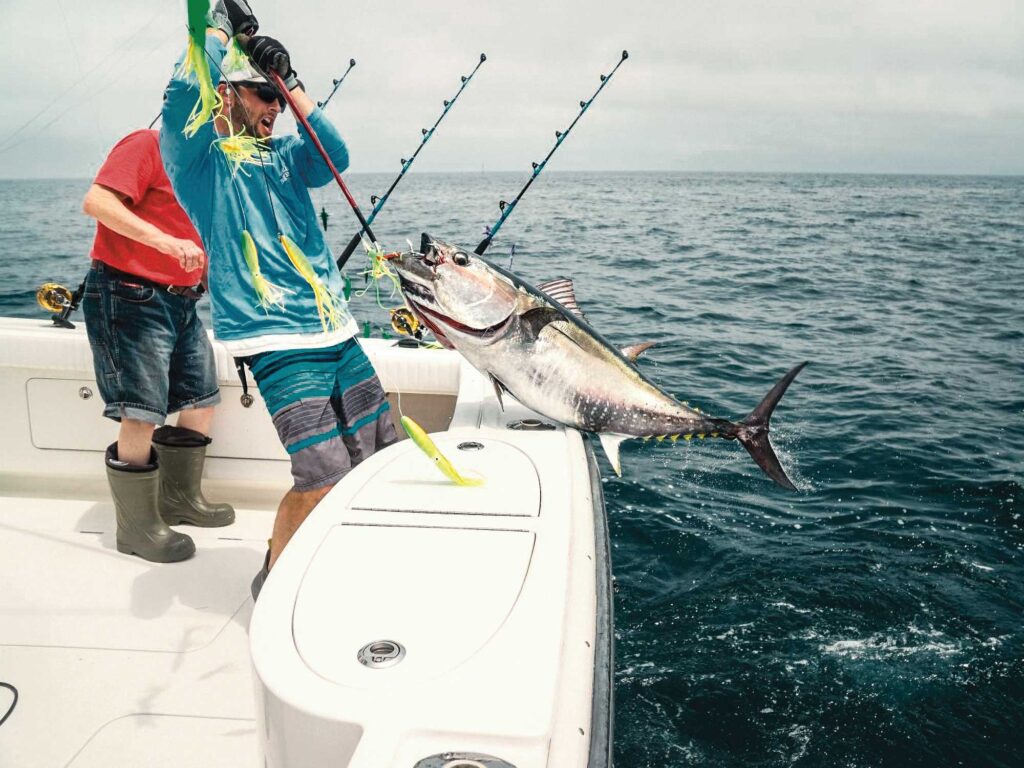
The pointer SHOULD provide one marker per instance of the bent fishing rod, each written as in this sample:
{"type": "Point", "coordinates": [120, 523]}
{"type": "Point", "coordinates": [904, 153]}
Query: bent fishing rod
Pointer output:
{"type": "Point", "coordinates": [276, 78]}
{"type": "Point", "coordinates": [560, 136]}
{"type": "Point", "coordinates": [379, 202]}
{"type": "Point", "coordinates": [337, 84]}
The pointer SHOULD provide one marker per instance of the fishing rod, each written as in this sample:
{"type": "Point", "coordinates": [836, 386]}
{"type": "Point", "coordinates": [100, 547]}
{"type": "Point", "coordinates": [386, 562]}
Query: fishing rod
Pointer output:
{"type": "Point", "coordinates": [378, 202]}
{"type": "Point", "coordinates": [322, 104]}
{"type": "Point", "coordinates": [337, 84]}
{"type": "Point", "coordinates": [320, 148]}
{"type": "Point", "coordinates": [560, 136]}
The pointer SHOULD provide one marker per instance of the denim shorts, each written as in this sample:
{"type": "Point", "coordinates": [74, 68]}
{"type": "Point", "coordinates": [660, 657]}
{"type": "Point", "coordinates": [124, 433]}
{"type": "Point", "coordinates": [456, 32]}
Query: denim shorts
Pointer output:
{"type": "Point", "coordinates": [328, 407]}
{"type": "Point", "coordinates": [150, 350]}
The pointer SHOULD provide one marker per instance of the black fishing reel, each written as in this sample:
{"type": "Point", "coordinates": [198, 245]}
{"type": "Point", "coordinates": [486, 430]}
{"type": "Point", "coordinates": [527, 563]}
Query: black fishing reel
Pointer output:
{"type": "Point", "coordinates": [55, 298]}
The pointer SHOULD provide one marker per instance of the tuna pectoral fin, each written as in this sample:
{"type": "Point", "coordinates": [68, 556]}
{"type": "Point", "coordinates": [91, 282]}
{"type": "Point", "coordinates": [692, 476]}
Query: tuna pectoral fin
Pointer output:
{"type": "Point", "coordinates": [634, 351]}
{"type": "Point", "coordinates": [611, 444]}
{"type": "Point", "coordinates": [498, 387]}
{"type": "Point", "coordinates": [753, 431]}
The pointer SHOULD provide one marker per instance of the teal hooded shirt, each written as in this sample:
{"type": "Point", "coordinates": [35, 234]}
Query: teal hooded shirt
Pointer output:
{"type": "Point", "coordinates": [266, 198]}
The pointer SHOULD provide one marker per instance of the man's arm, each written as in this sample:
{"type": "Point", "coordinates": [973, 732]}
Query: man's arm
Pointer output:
{"type": "Point", "coordinates": [108, 208]}
{"type": "Point", "coordinates": [305, 156]}
{"type": "Point", "coordinates": [269, 54]}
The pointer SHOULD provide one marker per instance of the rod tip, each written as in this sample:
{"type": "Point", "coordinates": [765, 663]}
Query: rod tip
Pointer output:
{"type": "Point", "coordinates": [625, 54]}
{"type": "Point", "coordinates": [483, 57]}
{"type": "Point", "coordinates": [352, 62]}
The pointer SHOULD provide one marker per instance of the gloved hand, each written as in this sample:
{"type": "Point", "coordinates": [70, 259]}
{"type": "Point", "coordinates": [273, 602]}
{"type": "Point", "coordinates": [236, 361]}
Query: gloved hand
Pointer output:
{"type": "Point", "coordinates": [233, 17]}
{"type": "Point", "coordinates": [268, 54]}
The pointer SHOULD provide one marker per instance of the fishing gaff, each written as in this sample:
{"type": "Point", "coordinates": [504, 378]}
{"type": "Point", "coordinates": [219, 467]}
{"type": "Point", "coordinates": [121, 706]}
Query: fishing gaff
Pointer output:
{"type": "Point", "coordinates": [301, 118]}
{"type": "Point", "coordinates": [507, 208]}
{"type": "Point", "coordinates": [378, 202]}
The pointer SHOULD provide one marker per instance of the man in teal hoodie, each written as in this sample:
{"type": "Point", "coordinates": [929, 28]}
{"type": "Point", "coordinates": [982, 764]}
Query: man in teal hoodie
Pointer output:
{"type": "Point", "coordinates": [275, 291]}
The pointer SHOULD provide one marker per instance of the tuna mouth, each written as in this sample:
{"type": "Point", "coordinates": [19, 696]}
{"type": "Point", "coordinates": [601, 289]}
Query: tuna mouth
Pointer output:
{"type": "Point", "coordinates": [421, 300]}
{"type": "Point", "coordinates": [432, 318]}
{"type": "Point", "coordinates": [416, 291]}
{"type": "Point", "coordinates": [418, 297]}
{"type": "Point", "coordinates": [415, 295]}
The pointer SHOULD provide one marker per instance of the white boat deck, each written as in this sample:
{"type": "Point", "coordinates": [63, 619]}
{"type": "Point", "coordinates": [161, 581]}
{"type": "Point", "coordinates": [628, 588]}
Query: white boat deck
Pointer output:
{"type": "Point", "coordinates": [121, 662]}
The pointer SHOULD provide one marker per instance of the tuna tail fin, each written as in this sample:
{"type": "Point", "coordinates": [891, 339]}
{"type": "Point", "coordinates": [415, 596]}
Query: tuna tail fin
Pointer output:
{"type": "Point", "coordinates": [753, 431]}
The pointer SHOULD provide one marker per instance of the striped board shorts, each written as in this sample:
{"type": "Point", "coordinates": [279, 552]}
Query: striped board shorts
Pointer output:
{"type": "Point", "coordinates": [328, 407]}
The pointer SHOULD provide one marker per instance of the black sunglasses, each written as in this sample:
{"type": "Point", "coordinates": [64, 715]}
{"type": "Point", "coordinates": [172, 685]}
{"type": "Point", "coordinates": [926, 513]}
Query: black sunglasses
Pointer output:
{"type": "Point", "coordinates": [267, 93]}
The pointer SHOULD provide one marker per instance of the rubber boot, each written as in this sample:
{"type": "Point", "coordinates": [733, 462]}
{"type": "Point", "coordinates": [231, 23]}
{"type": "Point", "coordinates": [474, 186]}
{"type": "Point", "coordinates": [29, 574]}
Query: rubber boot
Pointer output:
{"type": "Point", "coordinates": [140, 529]}
{"type": "Point", "coordinates": [261, 578]}
{"type": "Point", "coordinates": [182, 453]}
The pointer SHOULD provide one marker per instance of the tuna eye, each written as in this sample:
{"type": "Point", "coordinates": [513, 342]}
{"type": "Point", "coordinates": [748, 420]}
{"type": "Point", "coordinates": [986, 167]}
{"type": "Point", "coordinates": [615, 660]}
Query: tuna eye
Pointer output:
{"type": "Point", "coordinates": [461, 259]}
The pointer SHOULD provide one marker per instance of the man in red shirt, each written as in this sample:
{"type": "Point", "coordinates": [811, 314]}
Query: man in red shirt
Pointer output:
{"type": "Point", "coordinates": [150, 351]}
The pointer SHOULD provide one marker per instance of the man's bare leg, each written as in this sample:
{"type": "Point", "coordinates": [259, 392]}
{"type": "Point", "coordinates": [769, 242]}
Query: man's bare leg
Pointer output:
{"type": "Point", "coordinates": [196, 419]}
{"type": "Point", "coordinates": [294, 508]}
{"type": "Point", "coordinates": [135, 441]}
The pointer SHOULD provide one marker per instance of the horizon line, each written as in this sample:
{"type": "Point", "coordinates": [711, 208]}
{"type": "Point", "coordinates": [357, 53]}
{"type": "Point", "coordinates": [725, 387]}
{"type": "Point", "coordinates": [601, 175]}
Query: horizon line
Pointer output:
{"type": "Point", "coordinates": [954, 174]}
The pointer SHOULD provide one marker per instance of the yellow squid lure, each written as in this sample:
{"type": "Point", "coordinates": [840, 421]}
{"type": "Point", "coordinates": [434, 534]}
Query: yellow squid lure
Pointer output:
{"type": "Point", "coordinates": [267, 294]}
{"type": "Point", "coordinates": [241, 149]}
{"type": "Point", "coordinates": [425, 444]}
{"type": "Point", "coordinates": [328, 305]}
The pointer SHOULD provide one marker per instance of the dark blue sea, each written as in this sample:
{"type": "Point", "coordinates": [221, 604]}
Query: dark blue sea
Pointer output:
{"type": "Point", "coordinates": [875, 617]}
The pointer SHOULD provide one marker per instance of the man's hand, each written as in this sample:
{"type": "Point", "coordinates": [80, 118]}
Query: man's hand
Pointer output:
{"type": "Point", "coordinates": [268, 54]}
{"type": "Point", "coordinates": [188, 254]}
{"type": "Point", "coordinates": [233, 17]}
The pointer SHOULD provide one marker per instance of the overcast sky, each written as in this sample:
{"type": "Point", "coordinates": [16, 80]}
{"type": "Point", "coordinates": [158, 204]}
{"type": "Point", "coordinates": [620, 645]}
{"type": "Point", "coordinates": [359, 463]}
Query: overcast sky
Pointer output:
{"type": "Point", "coordinates": [902, 86]}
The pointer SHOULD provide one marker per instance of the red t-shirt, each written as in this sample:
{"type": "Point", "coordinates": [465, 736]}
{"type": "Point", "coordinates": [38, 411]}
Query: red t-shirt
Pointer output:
{"type": "Point", "coordinates": [134, 169]}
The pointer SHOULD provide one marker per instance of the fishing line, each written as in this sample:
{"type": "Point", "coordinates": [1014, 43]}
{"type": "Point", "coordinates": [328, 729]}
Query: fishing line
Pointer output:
{"type": "Point", "coordinates": [7, 145]}
{"type": "Point", "coordinates": [560, 136]}
{"type": "Point", "coordinates": [379, 202]}
{"type": "Point", "coordinates": [259, 153]}
{"type": "Point", "coordinates": [337, 84]}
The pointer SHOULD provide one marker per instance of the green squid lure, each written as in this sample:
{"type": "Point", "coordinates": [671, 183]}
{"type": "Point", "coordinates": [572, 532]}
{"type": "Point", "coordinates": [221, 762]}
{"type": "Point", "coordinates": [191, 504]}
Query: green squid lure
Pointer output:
{"type": "Point", "coordinates": [377, 271]}
{"type": "Point", "coordinates": [195, 63]}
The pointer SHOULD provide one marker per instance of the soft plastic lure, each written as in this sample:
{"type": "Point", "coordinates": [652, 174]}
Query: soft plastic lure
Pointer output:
{"type": "Point", "coordinates": [195, 63]}
{"type": "Point", "coordinates": [235, 58]}
{"type": "Point", "coordinates": [376, 272]}
{"type": "Point", "coordinates": [425, 444]}
{"type": "Point", "coordinates": [267, 294]}
{"type": "Point", "coordinates": [328, 305]}
{"type": "Point", "coordinates": [241, 149]}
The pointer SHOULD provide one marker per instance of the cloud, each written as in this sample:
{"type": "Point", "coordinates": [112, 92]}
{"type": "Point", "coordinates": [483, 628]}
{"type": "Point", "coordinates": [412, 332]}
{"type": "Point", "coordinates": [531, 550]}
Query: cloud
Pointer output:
{"type": "Point", "coordinates": [916, 86]}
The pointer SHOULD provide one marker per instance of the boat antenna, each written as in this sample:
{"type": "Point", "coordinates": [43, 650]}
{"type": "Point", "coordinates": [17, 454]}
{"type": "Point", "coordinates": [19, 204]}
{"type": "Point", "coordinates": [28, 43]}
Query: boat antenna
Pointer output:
{"type": "Point", "coordinates": [320, 148]}
{"type": "Point", "coordinates": [337, 84]}
{"type": "Point", "coordinates": [560, 136]}
{"type": "Point", "coordinates": [378, 202]}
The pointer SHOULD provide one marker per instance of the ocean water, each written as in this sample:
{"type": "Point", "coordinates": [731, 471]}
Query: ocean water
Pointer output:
{"type": "Point", "coordinates": [876, 616]}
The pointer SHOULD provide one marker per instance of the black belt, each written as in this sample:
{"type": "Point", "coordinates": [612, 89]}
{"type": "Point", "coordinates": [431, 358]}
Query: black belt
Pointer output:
{"type": "Point", "coordinates": [185, 291]}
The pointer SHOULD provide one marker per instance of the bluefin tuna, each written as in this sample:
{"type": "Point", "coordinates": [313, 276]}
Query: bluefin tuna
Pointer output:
{"type": "Point", "coordinates": [534, 344]}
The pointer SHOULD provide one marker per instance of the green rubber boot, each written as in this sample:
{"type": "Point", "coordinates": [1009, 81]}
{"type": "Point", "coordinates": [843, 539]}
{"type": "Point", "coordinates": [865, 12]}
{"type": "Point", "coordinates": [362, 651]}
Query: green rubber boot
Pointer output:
{"type": "Point", "coordinates": [140, 530]}
{"type": "Point", "coordinates": [182, 454]}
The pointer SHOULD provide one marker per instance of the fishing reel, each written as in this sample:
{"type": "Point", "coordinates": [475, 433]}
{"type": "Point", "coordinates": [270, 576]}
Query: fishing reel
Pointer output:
{"type": "Point", "coordinates": [55, 298]}
{"type": "Point", "coordinates": [405, 323]}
